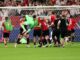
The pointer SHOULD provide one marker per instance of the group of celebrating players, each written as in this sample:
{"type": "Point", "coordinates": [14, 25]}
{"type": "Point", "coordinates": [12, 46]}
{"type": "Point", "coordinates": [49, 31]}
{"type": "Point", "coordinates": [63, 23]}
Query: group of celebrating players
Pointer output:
{"type": "Point", "coordinates": [61, 26]}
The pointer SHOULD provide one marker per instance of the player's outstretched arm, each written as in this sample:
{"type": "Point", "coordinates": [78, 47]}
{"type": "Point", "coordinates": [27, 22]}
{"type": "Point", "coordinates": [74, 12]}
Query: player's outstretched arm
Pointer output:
{"type": "Point", "coordinates": [22, 25]}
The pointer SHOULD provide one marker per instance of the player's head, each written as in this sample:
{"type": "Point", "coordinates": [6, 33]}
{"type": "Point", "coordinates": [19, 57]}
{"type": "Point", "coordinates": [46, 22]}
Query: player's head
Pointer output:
{"type": "Point", "coordinates": [34, 16]}
{"type": "Point", "coordinates": [53, 12]}
{"type": "Point", "coordinates": [41, 17]}
{"type": "Point", "coordinates": [74, 17]}
{"type": "Point", "coordinates": [63, 17]}
{"type": "Point", "coordinates": [6, 18]}
{"type": "Point", "coordinates": [58, 16]}
{"type": "Point", "coordinates": [71, 16]}
{"type": "Point", "coordinates": [24, 18]}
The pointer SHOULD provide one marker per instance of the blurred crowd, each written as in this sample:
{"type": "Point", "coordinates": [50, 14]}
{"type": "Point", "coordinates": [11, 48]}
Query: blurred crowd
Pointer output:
{"type": "Point", "coordinates": [40, 12]}
{"type": "Point", "coordinates": [38, 2]}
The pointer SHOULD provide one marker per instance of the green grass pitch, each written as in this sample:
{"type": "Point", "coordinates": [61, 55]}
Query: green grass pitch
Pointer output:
{"type": "Point", "coordinates": [70, 52]}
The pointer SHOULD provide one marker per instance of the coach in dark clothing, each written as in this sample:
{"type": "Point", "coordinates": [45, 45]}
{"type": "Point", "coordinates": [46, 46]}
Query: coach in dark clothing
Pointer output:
{"type": "Point", "coordinates": [56, 31]}
{"type": "Point", "coordinates": [63, 28]}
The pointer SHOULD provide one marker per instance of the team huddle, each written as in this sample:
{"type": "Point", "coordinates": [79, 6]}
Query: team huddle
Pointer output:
{"type": "Point", "coordinates": [58, 30]}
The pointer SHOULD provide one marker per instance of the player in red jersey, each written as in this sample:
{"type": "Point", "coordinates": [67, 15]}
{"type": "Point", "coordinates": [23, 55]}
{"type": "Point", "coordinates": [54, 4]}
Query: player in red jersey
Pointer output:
{"type": "Point", "coordinates": [45, 32]}
{"type": "Point", "coordinates": [71, 26]}
{"type": "Point", "coordinates": [52, 19]}
{"type": "Point", "coordinates": [69, 29]}
{"type": "Point", "coordinates": [74, 23]}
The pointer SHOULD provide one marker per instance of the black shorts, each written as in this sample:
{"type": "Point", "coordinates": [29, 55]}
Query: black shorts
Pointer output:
{"type": "Point", "coordinates": [45, 33]}
{"type": "Point", "coordinates": [37, 33]}
{"type": "Point", "coordinates": [56, 32]}
{"type": "Point", "coordinates": [72, 31]}
{"type": "Point", "coordinates": [21, 30]}
{"type": "Point", "coordinates": [68, 33]}
{"type": "Point", "coordinates": [63, 33]}
{"type": "Point", "coordinates": [6, 35]}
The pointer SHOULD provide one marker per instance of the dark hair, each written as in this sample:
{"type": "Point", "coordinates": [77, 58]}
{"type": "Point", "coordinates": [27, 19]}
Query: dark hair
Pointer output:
{"type": "Point", "coordinates": [71, 16]}
{"type": "Point", "coordinates": [53, 12]}
{"type": "Point", "coordinates": [23, 16]}
{"type": "Point", "coordinates": [58, 16]}
{"type": "Point", "coordinates": [6, 18]}
{"type": "Point", "coordinates": [63, 16]}
{"type": "Point", "coordinates": [34, 16]}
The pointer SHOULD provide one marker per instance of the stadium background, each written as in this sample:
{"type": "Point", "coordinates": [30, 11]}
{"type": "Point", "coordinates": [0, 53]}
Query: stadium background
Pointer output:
{"type": "Point", "coordinates": [20, 3]}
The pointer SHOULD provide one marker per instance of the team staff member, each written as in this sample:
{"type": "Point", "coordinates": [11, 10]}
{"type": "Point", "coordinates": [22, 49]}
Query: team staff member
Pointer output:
{"type": "Point", "coordinates": [63, 29]}
{"type": "Point", "coordinates": [56, 34]}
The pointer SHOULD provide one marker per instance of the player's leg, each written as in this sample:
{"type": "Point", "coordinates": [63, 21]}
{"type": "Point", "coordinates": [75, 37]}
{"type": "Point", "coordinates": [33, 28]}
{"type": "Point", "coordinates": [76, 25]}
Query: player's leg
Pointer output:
{"type": "Point", "coordinates": [58, 41]}
{"type": "Point", "coordinates": [17, 41]}
{"type": "Point", "coordinates": [54, 37]}
{"type": "Point", "coordinates": [6, 38]}
{"type": "Point", "coordinates": [28, 40]}
{"type": "Point", "coordinates": [40, 42]}
{"type": "Point", "coordinates": [49, 41]}
{"type": "Point", "coordinates": [47, 38]}
{"type": "Point", "coordinates": [5, 42]}
{"type": "Point", "coordinates": [34, 40]}
{"type": "Point", "coordinates": [43, 37]}
{"type": "Point", "coordinates": [68, 37]}
{"type": "Point", "coordinates": [62, 38]}
{"type": "Point", "coordinates": [39, 38]}
{"type": "Point", "coordinates": [72, 35]}
{"type": "Point", "coordinates": [58, 38]}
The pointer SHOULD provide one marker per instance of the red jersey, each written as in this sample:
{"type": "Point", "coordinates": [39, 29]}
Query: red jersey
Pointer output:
{"type": "Point", "coordinates": [53, 17]}
{"type": "Point", "coordinates": [53, 1]}
{"type": "Point", "coordinates": [73, 23]}
{"type": "Point", "coordinates": [25, 2]}
{"type": "Point", "coordinates": [44, 25]}
{"type": "Point", "coordinates": [70, 23]}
